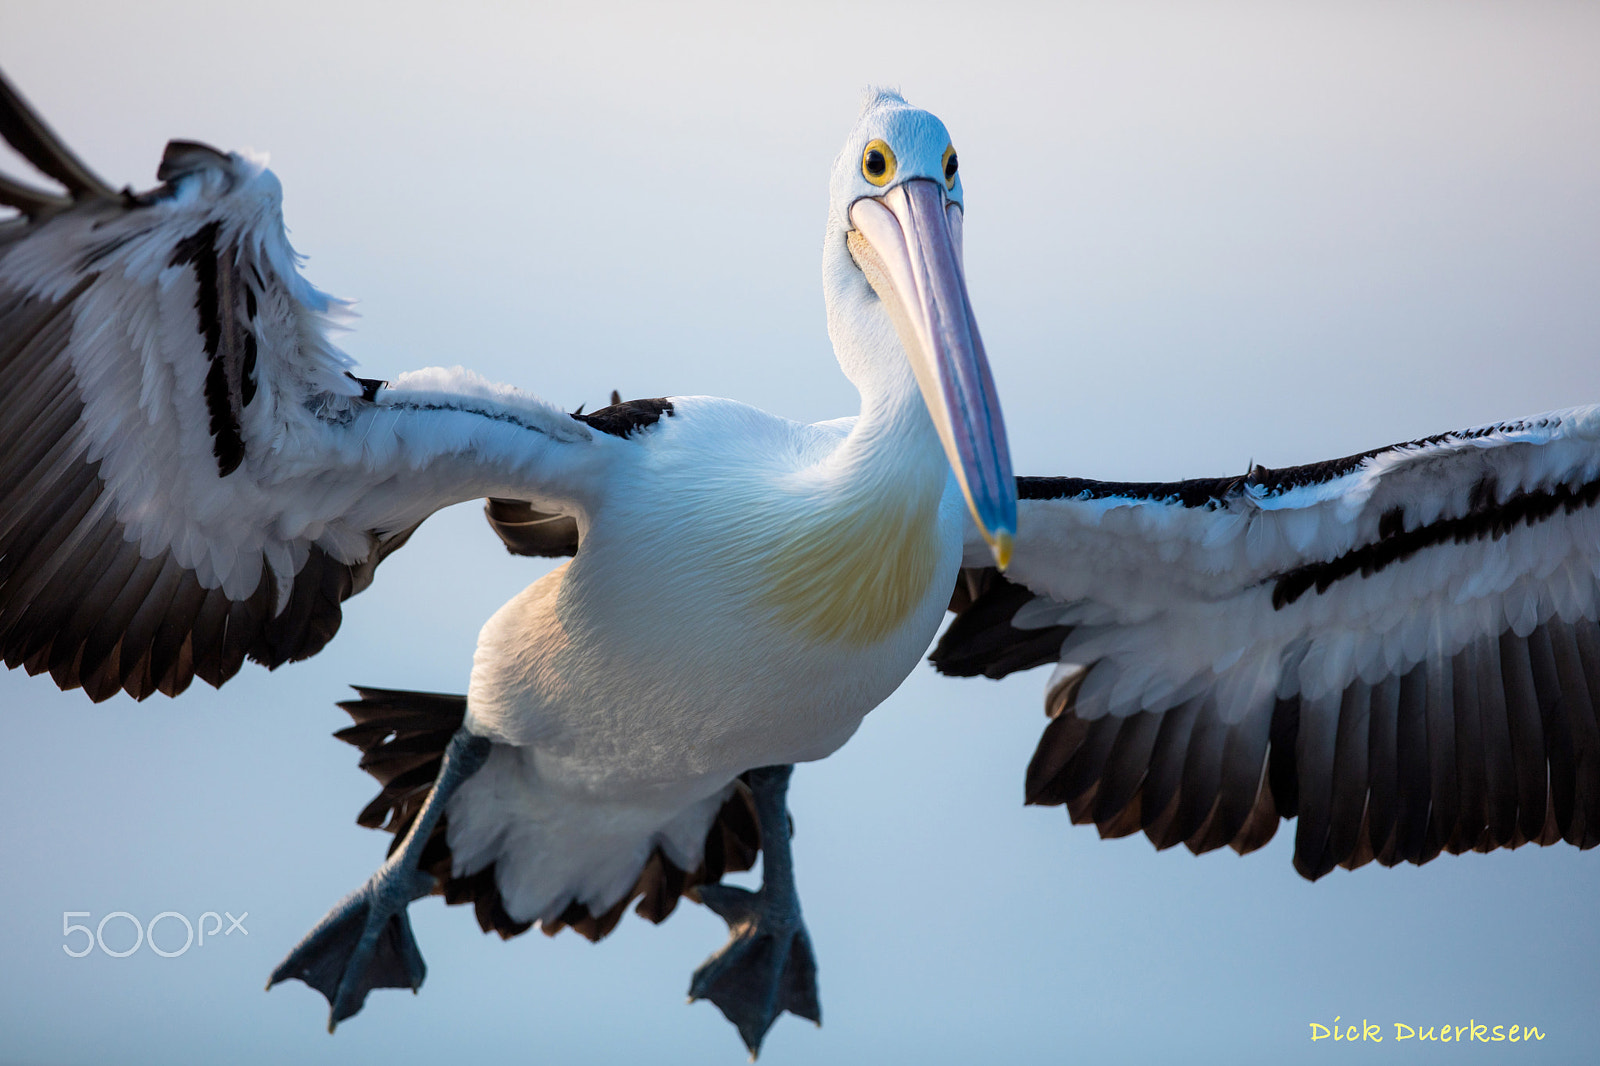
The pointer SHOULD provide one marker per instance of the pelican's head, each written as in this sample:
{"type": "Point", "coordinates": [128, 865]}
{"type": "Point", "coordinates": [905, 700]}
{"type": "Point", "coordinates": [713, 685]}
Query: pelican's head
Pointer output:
{"type": "Point", "coordinates": [894, 259]}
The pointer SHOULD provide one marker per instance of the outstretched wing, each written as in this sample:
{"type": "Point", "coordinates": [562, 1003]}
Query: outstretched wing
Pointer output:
{"type": "Point", "coordinates": [189, 475]}
{"type": "Point", "coordinates": [1399, 649]}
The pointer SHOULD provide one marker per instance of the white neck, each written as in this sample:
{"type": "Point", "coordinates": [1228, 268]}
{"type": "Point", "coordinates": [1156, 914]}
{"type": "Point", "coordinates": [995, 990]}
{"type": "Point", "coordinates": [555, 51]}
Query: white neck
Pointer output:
{"type": "Point", "coordinates": [893, 445]}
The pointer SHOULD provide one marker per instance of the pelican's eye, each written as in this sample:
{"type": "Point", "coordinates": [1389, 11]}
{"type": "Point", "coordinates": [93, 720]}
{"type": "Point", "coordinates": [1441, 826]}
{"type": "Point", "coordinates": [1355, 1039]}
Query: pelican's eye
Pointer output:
{"type": "Point", "coordinates": [877, 163]}
{"type": "Point", "coordinates": [950, 164]}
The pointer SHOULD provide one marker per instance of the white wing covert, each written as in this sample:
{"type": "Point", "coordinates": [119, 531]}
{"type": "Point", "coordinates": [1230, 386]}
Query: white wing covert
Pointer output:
{"type": "Point", "coordinates": [1399, 649]}
{"type": "Point", "coordinates": [189, 474]}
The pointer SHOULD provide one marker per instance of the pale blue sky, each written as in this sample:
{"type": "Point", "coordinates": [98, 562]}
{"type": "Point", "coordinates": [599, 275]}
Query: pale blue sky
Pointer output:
{"type": "Point", "coordinates": [1196, 237]}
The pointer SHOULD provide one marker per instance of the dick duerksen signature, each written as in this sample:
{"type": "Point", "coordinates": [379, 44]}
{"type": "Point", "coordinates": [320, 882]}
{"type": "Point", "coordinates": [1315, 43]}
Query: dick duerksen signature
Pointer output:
{"type": "Point", "coordinates": [1473, 1031]}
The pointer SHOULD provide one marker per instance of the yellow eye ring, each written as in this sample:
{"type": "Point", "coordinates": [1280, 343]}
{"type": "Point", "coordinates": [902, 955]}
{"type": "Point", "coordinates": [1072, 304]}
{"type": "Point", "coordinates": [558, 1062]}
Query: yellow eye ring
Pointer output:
{"type": "Point", "coordinates": [878, 163]}
{"type": "Point", "coordinates": [949, 164]}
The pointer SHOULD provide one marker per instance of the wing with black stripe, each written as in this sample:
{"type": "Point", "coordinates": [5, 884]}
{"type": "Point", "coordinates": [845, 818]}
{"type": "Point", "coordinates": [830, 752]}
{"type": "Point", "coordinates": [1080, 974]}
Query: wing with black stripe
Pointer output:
{"type": "Point", "coordinates": [190, 475]}
{"type": "Point", "coordinates": [1399, 649]}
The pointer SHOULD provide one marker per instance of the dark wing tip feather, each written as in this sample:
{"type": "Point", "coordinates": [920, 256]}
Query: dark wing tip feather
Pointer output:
{"type": "Point", "coordinates": [35, 141]}
{"type": "Point", "coordinates": [1496, 747]}
{"type": "Point", "coordinates": [981, 638]}
{"type": "Point", "coordinates": [31, 201]}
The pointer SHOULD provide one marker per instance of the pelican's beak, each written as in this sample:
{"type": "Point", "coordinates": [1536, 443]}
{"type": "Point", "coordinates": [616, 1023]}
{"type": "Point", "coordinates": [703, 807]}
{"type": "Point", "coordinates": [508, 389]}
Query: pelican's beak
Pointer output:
{"type": "Point", "coordinates": [908, 244]}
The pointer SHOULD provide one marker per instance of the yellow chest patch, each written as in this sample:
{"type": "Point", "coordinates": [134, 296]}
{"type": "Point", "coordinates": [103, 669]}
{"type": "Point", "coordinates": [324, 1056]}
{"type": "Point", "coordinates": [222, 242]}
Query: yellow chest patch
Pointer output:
{"type": "Point", "coordinates": [854, 574]}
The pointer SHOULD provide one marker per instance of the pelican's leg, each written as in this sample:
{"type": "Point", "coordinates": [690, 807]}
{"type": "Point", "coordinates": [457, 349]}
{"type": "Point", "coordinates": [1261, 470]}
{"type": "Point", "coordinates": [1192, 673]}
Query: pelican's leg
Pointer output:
{"type": "Point", "coordinates": [767, 966]}
{"type": "Point", "coordinates": [365, 941]}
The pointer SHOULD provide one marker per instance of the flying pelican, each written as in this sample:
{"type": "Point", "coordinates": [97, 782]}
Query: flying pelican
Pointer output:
{"type": "Point", "coordinates": [1396, 648]}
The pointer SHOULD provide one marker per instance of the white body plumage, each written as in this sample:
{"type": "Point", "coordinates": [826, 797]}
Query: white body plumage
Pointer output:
{"type": "Point", "coordinates": [627, 689]}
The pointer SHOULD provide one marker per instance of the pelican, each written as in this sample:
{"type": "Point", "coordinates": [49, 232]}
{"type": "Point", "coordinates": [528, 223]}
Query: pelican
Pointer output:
{"type": "Point", "coordinates": [1397, 649]}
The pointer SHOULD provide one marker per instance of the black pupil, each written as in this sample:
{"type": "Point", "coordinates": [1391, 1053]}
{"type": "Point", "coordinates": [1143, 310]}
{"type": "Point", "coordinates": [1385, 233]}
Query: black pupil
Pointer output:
{"type": "Point", "coordinates": [875, 163]}
{"type": "Point", "coordinates": [950, 167]}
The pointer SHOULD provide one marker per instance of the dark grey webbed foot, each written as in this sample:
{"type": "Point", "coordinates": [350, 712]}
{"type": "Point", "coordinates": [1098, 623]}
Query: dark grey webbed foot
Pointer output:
{"type": "Point", "coordinates": [767, 967]}
{"type": "Point", "coordinates": [364, 942]}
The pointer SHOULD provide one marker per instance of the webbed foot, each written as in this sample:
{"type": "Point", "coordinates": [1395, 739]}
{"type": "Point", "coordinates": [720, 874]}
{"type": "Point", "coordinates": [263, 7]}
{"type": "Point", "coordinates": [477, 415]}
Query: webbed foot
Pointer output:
{"type": "Point", "coordinates": [364, 942]}
{"type": "Point", "coordinates": [767, 967]}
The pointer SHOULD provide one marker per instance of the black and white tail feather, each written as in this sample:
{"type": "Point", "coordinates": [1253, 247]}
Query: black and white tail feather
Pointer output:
{"type": "Point", "coordinates": [1399, 649]}
{"type": "Point", "coordinates": [189, 474]}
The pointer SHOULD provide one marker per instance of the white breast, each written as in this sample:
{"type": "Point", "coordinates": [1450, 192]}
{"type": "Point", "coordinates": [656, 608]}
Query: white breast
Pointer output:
{"type": "Point", "coordinates": [751, 618]}
{"type": "Point", "coordinates": [727, 610]}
